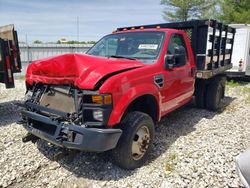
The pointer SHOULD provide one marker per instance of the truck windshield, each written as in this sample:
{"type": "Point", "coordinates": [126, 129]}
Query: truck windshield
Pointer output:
{"type": "Point", "coordinates": [145, 46]}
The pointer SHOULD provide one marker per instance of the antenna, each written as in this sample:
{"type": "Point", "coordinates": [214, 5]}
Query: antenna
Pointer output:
{"type": "Point", "coordinates": [77, 27]}
{"type": "Point", "coordinates": [77, 22]}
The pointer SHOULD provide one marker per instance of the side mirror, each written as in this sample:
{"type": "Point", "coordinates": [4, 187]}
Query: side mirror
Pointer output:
{"type": "Point", "coordinates": [169, 61]}
{"type": "Point", "coordinates": [180, 56]}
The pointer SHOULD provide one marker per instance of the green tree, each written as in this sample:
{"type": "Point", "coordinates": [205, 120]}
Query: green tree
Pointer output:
{"type": "Point", "coordinates": [235, 11]}
{"type": "Point", "coordinates": [37, 42]}
{"type": "Point", "coordinates": [180, 10]}
{"type": "Point", "coordinates": [91, 42]}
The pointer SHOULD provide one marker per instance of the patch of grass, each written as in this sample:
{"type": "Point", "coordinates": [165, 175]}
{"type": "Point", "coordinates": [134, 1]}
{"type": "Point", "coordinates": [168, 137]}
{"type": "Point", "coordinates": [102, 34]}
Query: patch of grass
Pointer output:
{"type": "Point", "coordinates": [232, 83]}
{"type": "Point", "coordinates": [21, 78]}
{"type": "Point", "coordinates": [190, 154]}
{"type": "Point", "coordinates": [3, 95]}
{"type": "Point", "coordinates": [246, 90]}
{"type": "Point", "coordinates": [172, 157]}
{"type": "Point", "coordinates": [169, 167]}
{"type": "Point", "coordinates": [248, 99]}
{"type": "Point", "coordinates": [1, 147]}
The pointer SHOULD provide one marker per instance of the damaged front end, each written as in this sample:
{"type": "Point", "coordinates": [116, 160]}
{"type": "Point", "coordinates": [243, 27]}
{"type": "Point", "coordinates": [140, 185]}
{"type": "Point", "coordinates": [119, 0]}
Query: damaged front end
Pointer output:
{"type": "Point", "coordinates": [69, 117]}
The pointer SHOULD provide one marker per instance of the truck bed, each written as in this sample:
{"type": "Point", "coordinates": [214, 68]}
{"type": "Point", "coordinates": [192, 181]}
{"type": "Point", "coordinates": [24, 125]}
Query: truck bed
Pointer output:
{"type": "Point", "coordinates": [212, 44]}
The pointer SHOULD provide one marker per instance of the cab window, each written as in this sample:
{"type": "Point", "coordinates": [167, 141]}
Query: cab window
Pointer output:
{"type": "Point", "coordinates": [178, 49]}
{"type": "Point", "coordinates": [143, 45]}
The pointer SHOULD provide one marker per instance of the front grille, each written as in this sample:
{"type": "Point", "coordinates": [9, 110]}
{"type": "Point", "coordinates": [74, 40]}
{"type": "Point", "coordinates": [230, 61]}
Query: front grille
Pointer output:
{"type": "Point", "coordinates": [59, 99]}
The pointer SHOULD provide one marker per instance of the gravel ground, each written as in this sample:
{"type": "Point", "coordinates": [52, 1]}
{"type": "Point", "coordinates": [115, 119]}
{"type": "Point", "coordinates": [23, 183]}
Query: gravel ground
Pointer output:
{"type": "Point", "coordinates": [192, 148]}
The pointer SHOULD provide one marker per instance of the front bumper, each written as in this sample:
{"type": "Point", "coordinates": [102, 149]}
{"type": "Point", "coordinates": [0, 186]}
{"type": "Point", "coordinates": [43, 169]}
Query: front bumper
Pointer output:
{"type": "Point", "coordinates": [69, 135]}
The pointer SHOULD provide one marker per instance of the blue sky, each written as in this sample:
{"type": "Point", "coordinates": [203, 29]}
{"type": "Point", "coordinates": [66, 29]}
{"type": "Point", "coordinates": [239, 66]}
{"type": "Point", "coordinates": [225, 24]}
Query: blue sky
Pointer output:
{"type": "Point", "coordinates": [50, 20]}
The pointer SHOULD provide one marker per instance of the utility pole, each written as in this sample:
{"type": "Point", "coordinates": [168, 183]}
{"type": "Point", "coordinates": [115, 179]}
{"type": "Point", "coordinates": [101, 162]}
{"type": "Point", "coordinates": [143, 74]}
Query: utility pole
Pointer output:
{"type": "Point", "coordinates": [28, 53]}
{"type": "Point", "coordinates": [77, 27]}
{"type": "Point", "coordinates": [77, 22]}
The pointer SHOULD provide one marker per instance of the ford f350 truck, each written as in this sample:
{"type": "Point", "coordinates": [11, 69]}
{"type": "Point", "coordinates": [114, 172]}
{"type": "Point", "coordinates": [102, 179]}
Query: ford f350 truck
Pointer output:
{"type": "Point", "coordinates": [112, 97]}
{"type": "Point", "coordinates": [10, 62]}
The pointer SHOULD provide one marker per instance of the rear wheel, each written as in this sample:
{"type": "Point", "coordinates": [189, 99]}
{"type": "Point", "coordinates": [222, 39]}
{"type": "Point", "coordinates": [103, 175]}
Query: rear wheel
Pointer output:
{"type": "Point", "coordinates": [215, 92]}
{"type": "Point", "coordinates": [135, 143]}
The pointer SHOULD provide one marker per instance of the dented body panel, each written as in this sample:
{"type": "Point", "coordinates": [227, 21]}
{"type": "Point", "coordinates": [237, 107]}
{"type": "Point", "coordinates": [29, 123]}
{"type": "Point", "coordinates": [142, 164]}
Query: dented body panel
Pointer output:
{"type": "Point", "coordinates": [82, 71]}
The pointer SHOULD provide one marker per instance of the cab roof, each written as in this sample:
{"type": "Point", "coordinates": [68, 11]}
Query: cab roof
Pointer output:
{"type": "Point", "coordinates": [125, 30]}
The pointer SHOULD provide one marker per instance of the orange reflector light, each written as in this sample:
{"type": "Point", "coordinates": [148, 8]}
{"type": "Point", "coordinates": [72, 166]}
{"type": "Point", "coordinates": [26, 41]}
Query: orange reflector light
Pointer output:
{"type": "Point", "coordinates": [125, 29]}
{"type": "Point", "coordinates": [132, 28]}
{"type": "Point", "coordinates": [107, 99]}
{"type": "Point", "coordinates": [158, 27]}
{"type": "Point", "coordinates": [141, 27]}
{"type": "Point", "coordinates": [97, 99]}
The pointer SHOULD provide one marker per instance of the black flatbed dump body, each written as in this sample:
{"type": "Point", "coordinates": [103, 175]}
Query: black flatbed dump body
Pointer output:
{"type": "Point", "coordinates": [211, 41]}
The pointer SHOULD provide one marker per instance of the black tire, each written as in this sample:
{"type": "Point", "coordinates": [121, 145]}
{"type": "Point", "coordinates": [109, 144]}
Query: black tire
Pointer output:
{"type": "Point", "coordinates": [200, 93]}
{"type": "Point", "coordinates": [132, 123]}
{"type": "Point", "coordinates": [223, 84]}
{"type": "Point", "coordinates": [215, 92]}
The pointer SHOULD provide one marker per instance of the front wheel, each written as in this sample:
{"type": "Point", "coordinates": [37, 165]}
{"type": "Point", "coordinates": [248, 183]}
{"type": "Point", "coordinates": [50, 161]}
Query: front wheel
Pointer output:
{"type": "Point", "coordinates": [135, 143]}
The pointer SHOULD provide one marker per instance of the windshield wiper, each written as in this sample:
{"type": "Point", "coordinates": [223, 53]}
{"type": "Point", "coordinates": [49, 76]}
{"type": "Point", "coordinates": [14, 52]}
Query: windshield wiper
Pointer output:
{"type": "Point", "coordinates": [118, 56]}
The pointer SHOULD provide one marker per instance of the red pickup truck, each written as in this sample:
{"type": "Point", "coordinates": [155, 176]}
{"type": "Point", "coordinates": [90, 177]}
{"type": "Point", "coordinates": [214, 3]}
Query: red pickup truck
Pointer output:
{"type": "Point", "coordinates": [112, 97]}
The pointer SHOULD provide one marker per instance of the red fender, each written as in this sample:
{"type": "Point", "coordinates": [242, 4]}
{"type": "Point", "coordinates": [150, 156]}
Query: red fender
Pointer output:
{"type": "Point", "coordinates": [122, 102]}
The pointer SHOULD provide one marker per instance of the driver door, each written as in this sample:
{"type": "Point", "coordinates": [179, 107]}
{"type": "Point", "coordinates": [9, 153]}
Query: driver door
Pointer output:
{"type": "Point", "coordinates": [178, 79]}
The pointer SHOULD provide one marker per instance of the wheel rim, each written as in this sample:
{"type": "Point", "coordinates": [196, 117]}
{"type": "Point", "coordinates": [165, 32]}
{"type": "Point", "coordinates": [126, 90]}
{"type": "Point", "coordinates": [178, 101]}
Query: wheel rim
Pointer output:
{"type": "Point", "coordinates": [140, 142]}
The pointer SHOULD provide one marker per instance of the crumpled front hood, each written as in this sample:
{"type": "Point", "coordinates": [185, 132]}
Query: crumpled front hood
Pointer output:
{"type": "Point", "coordinates": [83, 71]}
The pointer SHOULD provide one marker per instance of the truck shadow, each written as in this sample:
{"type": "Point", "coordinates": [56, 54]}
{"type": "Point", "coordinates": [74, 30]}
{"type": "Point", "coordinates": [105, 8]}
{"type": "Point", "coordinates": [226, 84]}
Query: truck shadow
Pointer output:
{"type": "Point", "coordinates": [100, 167]}
{"type": "Point", "coordinates": [180, 123]}
{"type": "Point", "coordinates": [9, 112]}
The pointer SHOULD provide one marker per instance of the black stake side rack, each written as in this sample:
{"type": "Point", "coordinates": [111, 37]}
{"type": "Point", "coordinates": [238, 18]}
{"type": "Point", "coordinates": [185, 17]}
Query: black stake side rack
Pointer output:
{"type": "Point", "coordinates": [211, 41]}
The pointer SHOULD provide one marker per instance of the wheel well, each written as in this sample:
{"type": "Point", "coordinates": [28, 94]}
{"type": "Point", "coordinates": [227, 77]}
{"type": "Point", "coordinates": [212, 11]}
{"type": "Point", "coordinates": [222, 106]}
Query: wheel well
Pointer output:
{"type": "Point", "coordinates": [146, 104]}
